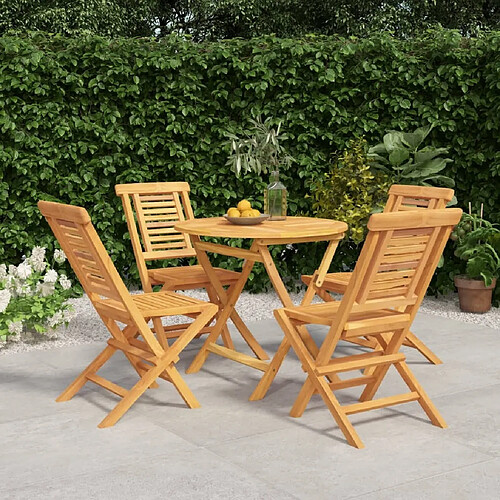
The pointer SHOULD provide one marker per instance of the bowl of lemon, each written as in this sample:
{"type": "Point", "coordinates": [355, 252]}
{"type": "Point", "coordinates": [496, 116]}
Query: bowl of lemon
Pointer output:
{"type": "Point", "coordinates": [244, 215]}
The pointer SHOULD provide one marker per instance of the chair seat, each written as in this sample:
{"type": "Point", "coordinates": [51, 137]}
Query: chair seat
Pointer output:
{"type": "Point", "coordinates": [358, 323]}
{"type": "Point", "coordinates": [153, 304]}
{"type": "Point", "coordinates": [168, 304]}
{"type": "Point", "coordinates": [189, 277]}
{"type": "Point", "coordinates": [334, 282]}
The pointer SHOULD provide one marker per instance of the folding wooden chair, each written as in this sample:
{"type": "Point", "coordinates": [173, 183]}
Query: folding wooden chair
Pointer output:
{"type": "Point", "coordinates": [151, 210]}
{"type": "Point", "coordinates": [390, 279]}
{"type": "Point", "coordinates": [151, 357]}
{"type": "Point", "coordinates": [401, 198]}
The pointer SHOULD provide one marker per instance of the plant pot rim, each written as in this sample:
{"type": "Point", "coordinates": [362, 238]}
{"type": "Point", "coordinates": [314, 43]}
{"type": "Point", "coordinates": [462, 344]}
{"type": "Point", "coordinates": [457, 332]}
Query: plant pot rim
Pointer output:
{"type": "Point", "coordinates": [464, 281]}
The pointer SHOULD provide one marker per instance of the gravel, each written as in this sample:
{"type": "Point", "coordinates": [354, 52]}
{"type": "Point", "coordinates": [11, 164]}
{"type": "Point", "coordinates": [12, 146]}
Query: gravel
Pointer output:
{"type": "Point", "coordinates": [87, 327]}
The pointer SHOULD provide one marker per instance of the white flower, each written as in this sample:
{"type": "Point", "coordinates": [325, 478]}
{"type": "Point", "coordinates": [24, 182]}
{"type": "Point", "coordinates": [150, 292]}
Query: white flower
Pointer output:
{"type": "Point", "coordinates": [24, 270]}
{"type": "Point", "coordinates": [51, 276]}
{"type": "Point", "coordinates": [65, 282]}
{"type": "Point", "coordinates": [45, 289]}
{"type": "Point", "coordinates": [4, 300]}
{"type": "Point", "coordinates": [11, 283]}
{"type": "Point", "coordinates": [3, 271]}
{"type": "Point", "coordinates": [15, 327]}
{"type": "Point", "coordinates": [59, 256]}
{"type": "Point", "coordinates": [24, 290]}
{"type": "Point", "coordinates": [69, 314]}
{"type": "Point", "coordinates": [38, 252]}
{"type": "Point", "coordinates": [55, 320]}
{"type": "Point", "coordinates": [12, 271]}
{"type": "Point", "coordinates": [37, 259]}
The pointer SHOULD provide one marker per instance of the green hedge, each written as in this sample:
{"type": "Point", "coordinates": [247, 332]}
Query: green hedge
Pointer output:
{"type": "Point", "coordinates": [78, 115]}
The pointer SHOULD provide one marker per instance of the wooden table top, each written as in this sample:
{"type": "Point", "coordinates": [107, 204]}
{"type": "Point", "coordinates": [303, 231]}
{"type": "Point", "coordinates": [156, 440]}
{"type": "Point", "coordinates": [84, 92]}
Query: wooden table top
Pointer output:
{"type": "Point", "coordinates": [288, 229]}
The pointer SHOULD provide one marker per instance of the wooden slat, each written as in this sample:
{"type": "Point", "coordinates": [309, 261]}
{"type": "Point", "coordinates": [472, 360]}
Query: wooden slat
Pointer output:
{"type": "Point", "coordinates": [351, 382]}
{"type": "Point", "coordinates": [359, 361]}
{"type": "Point", "coordinates": [374, 326]}
{"type": "Point", "coordinates": [390, 275]}
{"type": "Point", "coordinates": [407, 249]}
{"type": "Point", "coordinates": [240, 253]}
{"type": "Point", "coordinates": [110, 386]}
{"type": "Point", "coordinates": [419, 202]}
{"type": "Point", "coordinates": [397, 259]}
{"type": "Point", "coordinates": [160, 217]}
{"type": "Point", "coordinates": [240, 357]}
{"type": "Point", "coordinates": [135, 351]}
{"type": "Point", "coordinates": [154, 204]}
{"type": "Point", "coordinates": [380, 403]}
{"type": "Point", "coordinates": [405, 240]}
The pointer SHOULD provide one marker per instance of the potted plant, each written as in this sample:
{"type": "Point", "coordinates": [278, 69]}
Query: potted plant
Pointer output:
{"type": "Point", "coordinates": [478, 244]}
{"type": "Point", "coordinates": [258, 151]}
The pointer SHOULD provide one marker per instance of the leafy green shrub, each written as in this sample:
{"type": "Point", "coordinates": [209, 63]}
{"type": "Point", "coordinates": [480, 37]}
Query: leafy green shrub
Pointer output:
{"type": "Point", "coordinates": [401, 156]}
{"type": "Point", "coordinates": [350, 191]}
{"type": "Point", "coordinates": [79, 115]}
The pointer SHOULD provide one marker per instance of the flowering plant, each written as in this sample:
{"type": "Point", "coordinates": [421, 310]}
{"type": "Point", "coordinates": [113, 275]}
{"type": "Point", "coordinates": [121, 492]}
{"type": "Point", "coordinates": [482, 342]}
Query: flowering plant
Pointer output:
{"type": "Point", "coordinates": [33, 296]}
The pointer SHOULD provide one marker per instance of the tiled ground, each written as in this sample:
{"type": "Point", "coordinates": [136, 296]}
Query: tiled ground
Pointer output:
{"type": "Point", "coordinates": [232, 448]}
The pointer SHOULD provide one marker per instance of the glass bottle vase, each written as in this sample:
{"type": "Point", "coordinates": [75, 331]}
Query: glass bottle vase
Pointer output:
{"type": "Point", "coordinates": [275, 198]}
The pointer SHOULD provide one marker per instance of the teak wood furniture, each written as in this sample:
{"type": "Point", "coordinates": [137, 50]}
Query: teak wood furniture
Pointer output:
{"type": "Point", "coordinates": [151, 210]}
{"type": "Point", "coordinates": [381, 299]}
{"type": "Point", "coordinates": [401, 198]}
{"type": "Point", "coordinates": [151, 357]}
{"type": "Point", "coordinates": [291, 230]}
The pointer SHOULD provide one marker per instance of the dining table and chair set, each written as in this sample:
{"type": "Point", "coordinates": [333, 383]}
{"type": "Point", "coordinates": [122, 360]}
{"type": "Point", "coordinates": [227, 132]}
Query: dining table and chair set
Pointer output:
{"type": "Point", "coordinates": [372, 308]}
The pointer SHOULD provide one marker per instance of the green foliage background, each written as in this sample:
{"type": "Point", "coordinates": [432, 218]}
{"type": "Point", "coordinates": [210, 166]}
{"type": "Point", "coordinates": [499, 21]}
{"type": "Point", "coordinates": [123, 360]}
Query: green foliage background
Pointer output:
{"type": "Point", "coordinates": [79, 115]}
{"type": "Point", "coordinates": [215, 20]}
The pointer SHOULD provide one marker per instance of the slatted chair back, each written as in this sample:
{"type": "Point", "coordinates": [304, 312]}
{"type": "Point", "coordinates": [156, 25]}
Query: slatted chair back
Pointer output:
{"type": "Point", "coordinates": [91, 263]}
{"type": "Point", "coordinates": [399, 257]}
{"type": "Point", "coordinates": [152, 210]}
{"type": "Point", "coordinates": [406, 197]}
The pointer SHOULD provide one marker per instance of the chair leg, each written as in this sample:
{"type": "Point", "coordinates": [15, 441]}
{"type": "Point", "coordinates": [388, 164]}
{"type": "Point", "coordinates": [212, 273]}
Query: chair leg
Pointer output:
{"type": "Point", "coordinates": [425, 402]}
{"type": "Point", "coordinates": [131, 397]}
{"type": "Point", "coordinates": [391, 343]}
{"type": "Point", "coordinates": [303, 399]}
{"type": "Point", "coordinates": [416, 343]}
{"type": "Point", "coordinates": [181, 386]}
{"type": "Point", "coordinates": [338, 414]}
{"type": "Point", "coordinates": [81, 380]}
{"type": "Point", "coordinates": [265, 382]}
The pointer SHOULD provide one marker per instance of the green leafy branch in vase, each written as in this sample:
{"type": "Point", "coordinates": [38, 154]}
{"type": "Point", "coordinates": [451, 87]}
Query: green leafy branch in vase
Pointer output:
{"type": "Point", "coordinates": [259, 150]}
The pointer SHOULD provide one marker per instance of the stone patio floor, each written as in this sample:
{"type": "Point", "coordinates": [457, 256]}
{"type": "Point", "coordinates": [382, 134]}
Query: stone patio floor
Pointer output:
{"type": "Point", "coordinates": [232, 448]}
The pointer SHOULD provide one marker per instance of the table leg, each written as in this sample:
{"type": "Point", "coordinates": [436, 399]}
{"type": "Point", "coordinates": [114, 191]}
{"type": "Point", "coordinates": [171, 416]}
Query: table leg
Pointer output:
{"type": "Point", "coordinates": [228, 301]}
{"type": "Point", "coordinates": [267, 379]}
{"type": "Point", "coordinates": [223, 297]}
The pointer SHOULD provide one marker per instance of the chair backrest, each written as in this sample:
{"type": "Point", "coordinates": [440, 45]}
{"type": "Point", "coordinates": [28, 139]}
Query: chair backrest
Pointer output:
{"type": "Point", "coordinates": [395, 267]}
{"type": "Point", "coordinates": [405, 197]}
{"type": "Point", "coordinates": [152, 209]}
{"type": "Point", "coordinates": [91, 263]}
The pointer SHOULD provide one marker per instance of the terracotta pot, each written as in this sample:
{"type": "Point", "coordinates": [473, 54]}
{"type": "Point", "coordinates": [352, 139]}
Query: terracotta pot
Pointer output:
{"type": "Point", "coordinates": [473, 295]}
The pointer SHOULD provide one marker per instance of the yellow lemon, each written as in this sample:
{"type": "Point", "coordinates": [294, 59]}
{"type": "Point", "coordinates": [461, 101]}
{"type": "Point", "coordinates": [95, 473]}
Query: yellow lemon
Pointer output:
{"type": "Point", "coordinates": [247, 213]}
{"type": "Point", "coordinates": [255, 212]}
{"type": "Point", "coordinates": [233, 212]}
{"type": "Point", "coordinates": [244, 205]}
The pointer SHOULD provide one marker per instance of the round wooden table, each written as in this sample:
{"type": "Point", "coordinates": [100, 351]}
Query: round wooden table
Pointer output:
{"type": "Point", "coordinates": [290, 230]}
